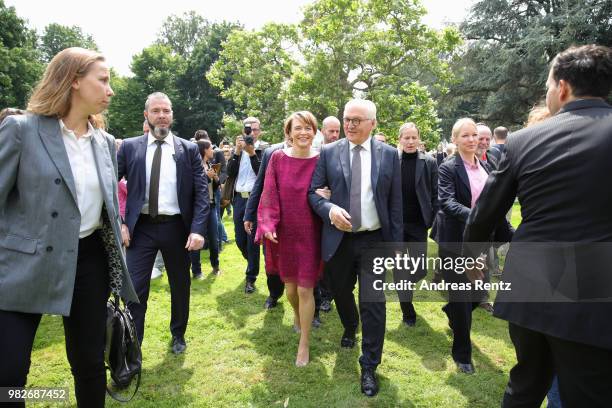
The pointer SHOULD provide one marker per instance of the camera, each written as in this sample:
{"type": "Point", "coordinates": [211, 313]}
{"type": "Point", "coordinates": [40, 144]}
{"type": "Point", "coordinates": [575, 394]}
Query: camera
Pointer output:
{"type": "Point", "coordinates": [249, 140]}
{"type": "Point", "coordinates": [247, 129]}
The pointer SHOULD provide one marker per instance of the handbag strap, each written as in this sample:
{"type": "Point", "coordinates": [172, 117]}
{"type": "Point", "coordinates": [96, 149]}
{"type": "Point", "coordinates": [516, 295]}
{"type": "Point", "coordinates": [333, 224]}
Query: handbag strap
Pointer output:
{"type": "Point", "coordinates": [116, 396]}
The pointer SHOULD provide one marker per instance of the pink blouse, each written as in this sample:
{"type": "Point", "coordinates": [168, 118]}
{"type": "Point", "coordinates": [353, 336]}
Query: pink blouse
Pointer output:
{"type": "Point", "coordinates": [478, 177]}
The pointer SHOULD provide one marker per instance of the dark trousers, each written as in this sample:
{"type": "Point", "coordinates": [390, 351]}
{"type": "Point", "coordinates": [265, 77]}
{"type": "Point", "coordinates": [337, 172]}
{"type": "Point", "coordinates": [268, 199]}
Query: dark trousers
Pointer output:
{"type": "Point", "coordinates": [169, 238]}
{"type": "Point", "coordinates": [415, 235]}
{"type": "Point", "coordinates": [245, 242]}
{"type": "Point", "coordinates": [584, 372]}
{"type": "Point", "coordinates": [459, 310]}
{"type": "Point", "coordinates": [84, 330]}
{"type": "Point", "coordinates": [213, 243]}
{"type": "Point", "coordinates": [325, 288]}
{"type": "Point", "coordinates": [344, 268]}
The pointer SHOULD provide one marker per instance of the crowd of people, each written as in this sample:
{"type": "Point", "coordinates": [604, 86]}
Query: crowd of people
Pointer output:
{"type": "Point", "coordinates": [83, 214]}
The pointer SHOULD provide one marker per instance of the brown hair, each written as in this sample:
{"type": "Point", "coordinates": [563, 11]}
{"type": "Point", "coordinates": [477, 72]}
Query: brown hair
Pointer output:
{"type": "Point", "coordinates": [51, 97]}
{"type": "Point", "coordinates": [305, 116]}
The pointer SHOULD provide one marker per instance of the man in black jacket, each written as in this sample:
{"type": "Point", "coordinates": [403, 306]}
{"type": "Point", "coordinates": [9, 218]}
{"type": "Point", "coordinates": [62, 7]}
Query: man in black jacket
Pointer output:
{"type": "Point", "coordinates": [554, 168]}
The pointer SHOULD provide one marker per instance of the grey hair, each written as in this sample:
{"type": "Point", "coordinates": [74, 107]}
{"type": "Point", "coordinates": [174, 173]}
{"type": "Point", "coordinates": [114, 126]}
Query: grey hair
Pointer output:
{"type": "Point", "coordinates": [369, 106]}
{"type": "Point", "coordinates": [409, 125]}
{"type": "Point", "coordinates": [156, 95]}
{"type": "Point", "coordinates": [251, 119]}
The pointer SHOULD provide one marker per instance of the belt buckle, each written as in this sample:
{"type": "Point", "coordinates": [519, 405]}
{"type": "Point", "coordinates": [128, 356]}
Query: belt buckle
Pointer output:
{"type": "Point", "coordinates": [244, 194]}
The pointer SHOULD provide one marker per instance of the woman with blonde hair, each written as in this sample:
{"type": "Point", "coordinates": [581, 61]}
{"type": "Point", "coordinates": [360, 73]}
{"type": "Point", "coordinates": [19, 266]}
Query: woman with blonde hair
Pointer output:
{"type": "Point", "coordinates": [289, 225]}
{"type": "Point", "coordinates": [60, 240]}
{"type": "Point", "coordinates": [461, 180]}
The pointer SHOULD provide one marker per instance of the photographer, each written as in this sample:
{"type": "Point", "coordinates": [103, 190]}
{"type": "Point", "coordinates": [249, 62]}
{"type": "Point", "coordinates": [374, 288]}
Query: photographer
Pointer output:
{"type": "Point", "coordinates": [243, 167]}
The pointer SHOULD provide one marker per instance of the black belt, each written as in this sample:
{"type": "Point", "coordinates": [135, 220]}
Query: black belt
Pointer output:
{"type": "Point", "coordinates": [160, 218]}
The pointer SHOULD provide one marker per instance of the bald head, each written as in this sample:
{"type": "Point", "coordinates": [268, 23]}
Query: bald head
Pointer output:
{"type": "Point", "coordinates": [484, 138]}
{"type": "Point", "coordinates": [330, 129]}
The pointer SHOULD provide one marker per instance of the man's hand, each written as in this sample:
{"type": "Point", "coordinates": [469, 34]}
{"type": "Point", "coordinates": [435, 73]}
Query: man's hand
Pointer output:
{"type": "Point", "coordinates": [340, 219]}
{"type": "Point", "coordinates": [271, 236]}
{"type": "Point", "coordinates": [324, 192]}
{"type": "Point", "coordinates": [248, 227]}
{"type": "Point", "coordinates": [474, 274]}
{"type": "Point", "coordinates": [125, 235]}
{"type": "Point", "coordinates": [239, 145]}
{"type": "Point", "coordinates": [250, 149]}
{"type": "Point", "coordinates": [194, 242]}
{"type": "Point", "coordinates": [212, 174]}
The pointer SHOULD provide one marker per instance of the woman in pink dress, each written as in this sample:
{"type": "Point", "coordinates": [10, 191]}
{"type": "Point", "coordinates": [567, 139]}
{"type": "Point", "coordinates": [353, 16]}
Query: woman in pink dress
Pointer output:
{"type": "Point", "coordinates": [292, 229]}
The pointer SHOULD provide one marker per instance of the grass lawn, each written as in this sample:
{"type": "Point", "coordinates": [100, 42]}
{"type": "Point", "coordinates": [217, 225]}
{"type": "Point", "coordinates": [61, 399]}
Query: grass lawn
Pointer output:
{"type": "Point", "coordinates": [239, 355]}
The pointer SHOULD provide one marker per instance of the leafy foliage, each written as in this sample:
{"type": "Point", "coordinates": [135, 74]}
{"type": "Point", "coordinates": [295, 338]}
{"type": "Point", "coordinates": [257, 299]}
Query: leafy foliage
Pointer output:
{"type": "Point", "coordinates": [57, 37]}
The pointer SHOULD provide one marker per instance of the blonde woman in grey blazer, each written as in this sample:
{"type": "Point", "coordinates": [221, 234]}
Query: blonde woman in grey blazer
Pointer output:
{"type": "Point", "coordinates": [60, 240]}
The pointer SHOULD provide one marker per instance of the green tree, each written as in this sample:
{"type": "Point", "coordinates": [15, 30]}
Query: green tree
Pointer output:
{"type": "Point", "coordinates": [377, 49]}
{"type": "Point", "coordinates": [57, 37]}
{"type": "Point", "coordinates": [20, 68]}
{"type": "Point", "coordinates": [202, 106]}
{"type": "Point", "coordinates": [253, 69]}
{"type": "Point", "coordinates": [503, 70]}
{"type": "Point", "coordinates": [182, 33]}
{"type": "Point", "coordinates": [156, 68]}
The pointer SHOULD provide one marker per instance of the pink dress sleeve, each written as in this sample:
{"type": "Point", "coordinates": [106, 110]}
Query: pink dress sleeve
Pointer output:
{"type": "Point", "coordinates": [268, 212]}
{"type": "Point", "coordinates": [122, 197]}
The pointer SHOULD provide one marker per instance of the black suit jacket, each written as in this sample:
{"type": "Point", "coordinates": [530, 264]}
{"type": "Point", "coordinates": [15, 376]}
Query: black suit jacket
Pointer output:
{"type": "Point", "coordinates": [426, 184]}
{"type": "Point", "coordinates": [192, 190]}
{"type": "Point", "coordinates": [455, 196]}
{"type": "Point", "coordinates": [559, 170]}
{"type": "Point", "coordinates": [333, 170]}
{"type": "Point", "coordinates": [250, 214]}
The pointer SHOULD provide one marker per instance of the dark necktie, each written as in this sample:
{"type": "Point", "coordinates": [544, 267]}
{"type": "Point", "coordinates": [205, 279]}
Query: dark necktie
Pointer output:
{"type": "Point", "coordinates": [355, 197]}
{"type": "Point", "coordinates": [154, 180]}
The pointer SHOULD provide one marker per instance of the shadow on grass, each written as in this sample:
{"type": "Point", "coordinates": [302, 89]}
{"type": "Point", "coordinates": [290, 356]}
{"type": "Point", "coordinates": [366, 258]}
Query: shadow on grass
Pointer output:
{"type": "Point", "coordinates": [236, 306]}
{"type": "Point", "coordinates": [156, 383]}
{"type": "Point", "coordinates": [50, 332]}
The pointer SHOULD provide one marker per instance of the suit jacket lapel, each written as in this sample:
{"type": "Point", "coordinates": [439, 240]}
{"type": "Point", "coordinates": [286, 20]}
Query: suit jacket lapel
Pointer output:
{"type": "Point", "coordinates": [179, 157]}
{"type": "Point", "coordinates": [345, 162]}
{"type": "Point", "coordinates": [461, 171]}
{"type": "Point", "coordinates": [376, 159]}
{"type": "Point", "coordinates": [141, 159]}
{"type": "Point", "coordinates": [103, 166]}
{"type": "Point", "coordinates": [420, 165]}
{"type": "Point", "coordinates": [51, 136]}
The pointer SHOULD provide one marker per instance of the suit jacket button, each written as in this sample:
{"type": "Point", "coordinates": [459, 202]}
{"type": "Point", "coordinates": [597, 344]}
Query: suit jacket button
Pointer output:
{"type": "Point", "coordinates": [54, 214]}
{"type": "Point", "coordinates": [58, 181]}
{"type": "Point", "coordinates": [49, 248]}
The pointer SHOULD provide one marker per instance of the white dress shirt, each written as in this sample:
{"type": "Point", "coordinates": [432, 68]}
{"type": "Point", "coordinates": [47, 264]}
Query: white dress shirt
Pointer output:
{"type": "Point", "coordinates": [168, 196]}
{"type": "Point", "coordinates": [369, 215]}
{"type": "Point", "coordinates": [246, 175]}
{"type": "Point", "coordinates": [86, 181]}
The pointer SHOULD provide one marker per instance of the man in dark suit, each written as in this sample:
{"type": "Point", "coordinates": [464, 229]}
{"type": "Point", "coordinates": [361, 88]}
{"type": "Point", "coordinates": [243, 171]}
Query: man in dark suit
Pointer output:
{"type": "Point", "coordinates": [552, 167]}
{"type": "Point", "coordinates": [167, 207]}
{"type": "Point", "coordinates": [365, 208]}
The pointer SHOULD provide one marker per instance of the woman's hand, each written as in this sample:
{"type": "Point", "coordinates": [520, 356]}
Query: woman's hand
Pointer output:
{"type": "Point", "coordinates": [125, 235]}
{"type": "Point", "coordinates": [271, 236]}
{"type": "Point", "coordinates": [324, 192]}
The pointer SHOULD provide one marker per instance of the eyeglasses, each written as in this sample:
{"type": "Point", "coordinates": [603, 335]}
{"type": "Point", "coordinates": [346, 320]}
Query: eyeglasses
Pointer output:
{"type": "Point", "coordinates": [354, 121]}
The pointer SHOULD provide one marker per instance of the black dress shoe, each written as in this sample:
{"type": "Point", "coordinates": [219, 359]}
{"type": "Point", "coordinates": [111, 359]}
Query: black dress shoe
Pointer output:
{"type": "Point", "coordinates": [271, 303]}
{"type": "Point", "coordinates": [467, 368]}
{"type": "Point", "coordinates": [178, 344]}
{"type": "Point", "coordinates": [347, 340]}
{"type": "Point", "coordinates": [325, 306]}
{"type": "Point", "coordinates": [369, 384]}
{"type": "Point", "coordinates": [249, 287]}
{"type": "Point", "coordinates": [316, 322]}
{"type": "Point", "coordinates": [409, 321]}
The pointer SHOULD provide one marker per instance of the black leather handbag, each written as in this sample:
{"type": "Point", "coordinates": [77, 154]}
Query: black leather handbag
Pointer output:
{"type": "Point", "coordinates": [122, 352]}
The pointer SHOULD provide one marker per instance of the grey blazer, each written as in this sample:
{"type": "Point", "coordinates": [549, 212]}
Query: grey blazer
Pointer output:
{"type": "Point", "coordinates": [39, 217]}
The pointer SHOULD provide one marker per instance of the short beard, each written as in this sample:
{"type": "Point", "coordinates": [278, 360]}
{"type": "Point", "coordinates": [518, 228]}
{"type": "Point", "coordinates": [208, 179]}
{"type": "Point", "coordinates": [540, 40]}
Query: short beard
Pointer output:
{"type": "Point", "coordinates": [158, 133]}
